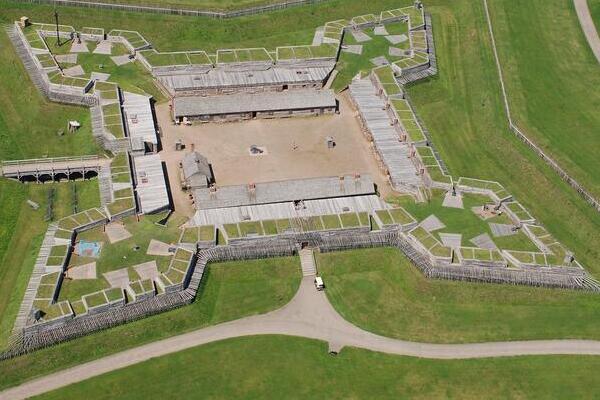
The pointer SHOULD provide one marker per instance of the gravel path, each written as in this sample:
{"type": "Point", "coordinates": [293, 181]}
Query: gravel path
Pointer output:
{"type": "Point", "coordinates": [309, 315]}
{"type": "Point", "coordinates": [587, 24]}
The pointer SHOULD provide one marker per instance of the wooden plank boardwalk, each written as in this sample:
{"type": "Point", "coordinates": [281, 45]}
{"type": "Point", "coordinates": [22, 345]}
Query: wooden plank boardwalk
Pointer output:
{"type": "Point", "coordinates": [394, 154]}
{"type": "Point", "coordinates": [38, 270]}
{"type": "Point", "coordinates": [105, 183]}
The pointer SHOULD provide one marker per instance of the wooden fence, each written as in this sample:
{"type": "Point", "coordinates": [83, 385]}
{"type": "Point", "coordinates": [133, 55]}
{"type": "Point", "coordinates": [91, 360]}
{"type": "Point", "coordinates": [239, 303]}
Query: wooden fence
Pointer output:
{"type": "Point", "coordinates": [591, 200]}
{"type": "Point", "coordinates": [179, 11]}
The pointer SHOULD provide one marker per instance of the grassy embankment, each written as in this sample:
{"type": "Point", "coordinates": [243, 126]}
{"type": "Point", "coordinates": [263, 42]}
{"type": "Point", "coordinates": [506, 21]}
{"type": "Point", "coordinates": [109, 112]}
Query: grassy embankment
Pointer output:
{"type": "Point", "coordinates": [210, 5]}
{"type": "Point", "coordinates": [123, 254]}
{"type": "Point", "coordinates": [294, 26]}
{"type": "Point", "coordinates": [295, 368]}
{"type": "Point", "coordinates": [349, 64]}
{"type": "Point", "coordinates": [381, 291]}
{"type": "Point", "coordinates": [131, 77]}
{"type": "Point", "coordinates": [550, 73]}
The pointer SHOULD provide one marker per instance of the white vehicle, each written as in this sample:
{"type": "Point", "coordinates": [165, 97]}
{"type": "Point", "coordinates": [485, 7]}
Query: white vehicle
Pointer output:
{"type": "Point", "coordinates": [319, 283]}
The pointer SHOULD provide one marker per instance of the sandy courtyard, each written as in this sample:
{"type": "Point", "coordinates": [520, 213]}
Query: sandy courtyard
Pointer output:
{"type": "Point", "coordinates": [294, 148]}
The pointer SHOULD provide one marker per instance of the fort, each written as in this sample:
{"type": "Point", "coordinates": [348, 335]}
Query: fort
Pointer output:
{"type": "Point", "coordinates": [354, 169]}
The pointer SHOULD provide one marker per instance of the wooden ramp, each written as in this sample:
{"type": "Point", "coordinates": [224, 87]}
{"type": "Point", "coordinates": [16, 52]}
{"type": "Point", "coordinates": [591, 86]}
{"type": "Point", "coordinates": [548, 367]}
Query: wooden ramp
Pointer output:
{"type": "Point", "coordinates": [38, 270]}
{"type": "Point", "coordinates": [307, 261]}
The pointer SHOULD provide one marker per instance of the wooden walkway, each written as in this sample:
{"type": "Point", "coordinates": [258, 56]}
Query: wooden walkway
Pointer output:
{"type": "Point", "coordinates": [307, 262]}
{"type": "Point", "coordinates": [38, 270]}
{"type": "Point", "coordinates": [395, 155]}
{"type": "Point", "coordinates": [105, 183]}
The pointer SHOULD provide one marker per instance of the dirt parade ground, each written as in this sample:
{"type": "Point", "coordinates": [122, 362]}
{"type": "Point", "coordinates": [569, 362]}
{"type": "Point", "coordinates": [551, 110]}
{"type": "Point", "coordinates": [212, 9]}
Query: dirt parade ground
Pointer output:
{"type": "Point", "coordinates": [293, 148]}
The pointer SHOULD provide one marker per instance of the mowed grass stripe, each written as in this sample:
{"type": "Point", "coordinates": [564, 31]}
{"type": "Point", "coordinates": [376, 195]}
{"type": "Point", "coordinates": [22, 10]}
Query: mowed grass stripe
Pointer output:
{"type": "Point", "coordinates": [381, 291]}
{"type": "Point", "coordinates": [260, 367]}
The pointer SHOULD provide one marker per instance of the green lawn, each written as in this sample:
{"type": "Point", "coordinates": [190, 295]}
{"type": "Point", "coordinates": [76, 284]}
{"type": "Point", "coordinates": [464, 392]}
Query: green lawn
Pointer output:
{"type": "Point", "coordinates": [211, 5]}
{"type": "Point", "coordinates": [594, 6]}
{"type": "Point", "coordinates": [21, 232]}
{"type": "Point", "coordinates": [351, 64]}
{"type": "Point", "coordinates": [381, 291]}
{"type": "Point", "coordinates": [132, 77]}
{"type": "Point", "coordinates": [549, 70]}
{"type": "Point", "coordinates": [28, 123]}
{"type": "Point", "coordinates": [260, 367]}
{"type": "Point", "coordinates": [464, 221]}
{"type": "Point", "coordinates": [123, 254]}
{"type": "Point", "coordinates": [228, 291]}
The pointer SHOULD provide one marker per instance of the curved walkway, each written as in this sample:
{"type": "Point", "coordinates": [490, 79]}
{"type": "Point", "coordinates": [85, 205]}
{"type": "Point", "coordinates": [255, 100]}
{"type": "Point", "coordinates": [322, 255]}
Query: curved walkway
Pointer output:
{"type": "Point", "coordinates": [309, 315]}
{"type": "Point", "coordinates": [587, 24]}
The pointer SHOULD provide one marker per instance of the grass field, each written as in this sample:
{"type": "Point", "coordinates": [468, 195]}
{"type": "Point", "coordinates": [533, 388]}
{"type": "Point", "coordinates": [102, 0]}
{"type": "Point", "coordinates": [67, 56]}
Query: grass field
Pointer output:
{"type": "Point", "coordinates": [294, 368]}
{"type": "Point", "coordinates": [351, 64]}
{"type": "Point", "coordinates": [21, 233]}
{"type": "Point", "coordinates": [465, 221]}
{"type": "Point", "coordinates": [550, 69]}
{"type": "Point", "coordinates": [29, 124]}
{"type": "Point", "coordinates": [123, 254]}
{"type": "Point", "coordinates": [228, 291]}
{"type": "Point", "coordinates": [210, 5]}
{"type": "Point", "coordinates": [132, 77]}
{"type": "Point", "coordinates": [381, 291]}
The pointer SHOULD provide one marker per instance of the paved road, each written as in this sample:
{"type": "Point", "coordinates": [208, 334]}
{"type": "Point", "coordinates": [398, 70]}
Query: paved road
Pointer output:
{"type": "Point", "coordinates": [309, 315]}
{"type": "Point", "coordinates": [587, 24]}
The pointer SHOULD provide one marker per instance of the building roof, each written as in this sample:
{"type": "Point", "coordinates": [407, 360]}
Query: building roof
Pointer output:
{"type": "Point", "coordinates": [138, 114]}
{"type": "Point", "coordinates": [150, 183]}
{"type": "Point", "coordinates": [394, 153]}
{"type": "Point", "coordinates": [222, 77]}
{"type": "Point", "coordinates": [196, 170]}
{"type": "Point", "coordinates": [284, 191]}
{"type": "Point", "coordinates": [336, 205]}
{"type": "Point", "coordinates": [296, 99]}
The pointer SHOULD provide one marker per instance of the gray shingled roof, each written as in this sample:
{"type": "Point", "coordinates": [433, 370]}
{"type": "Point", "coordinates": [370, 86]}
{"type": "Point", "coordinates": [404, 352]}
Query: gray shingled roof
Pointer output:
{"type": "Point", "coordinates": [196, 170]}
{"type": "Point", "coordinates": [336, 205]}
{"type": "Point", "coordinates": [140, 120]}
{"type": "Point", "coordinates": [247, 102]}
{"type": "Point", "coordinates": [222, 77]}
{"type": "Point", "coordinates": [151, 186]}
{"type": "Point", "coordinates": [282, 191]}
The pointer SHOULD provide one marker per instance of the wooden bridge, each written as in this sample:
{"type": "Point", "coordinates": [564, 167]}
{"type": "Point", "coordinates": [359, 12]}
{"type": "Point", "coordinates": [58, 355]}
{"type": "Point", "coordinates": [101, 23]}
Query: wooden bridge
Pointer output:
{"type": "Point", "coordinates": [53, 169]}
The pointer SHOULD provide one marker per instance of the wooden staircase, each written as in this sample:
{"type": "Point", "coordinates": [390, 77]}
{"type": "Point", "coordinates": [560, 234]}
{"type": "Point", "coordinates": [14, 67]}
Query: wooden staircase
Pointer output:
{"type": "Point", "coordinates": [307, 261]}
